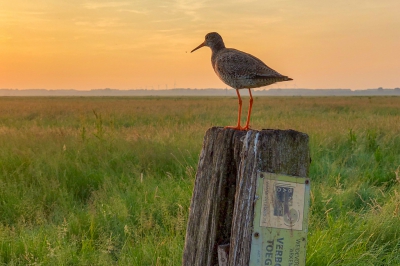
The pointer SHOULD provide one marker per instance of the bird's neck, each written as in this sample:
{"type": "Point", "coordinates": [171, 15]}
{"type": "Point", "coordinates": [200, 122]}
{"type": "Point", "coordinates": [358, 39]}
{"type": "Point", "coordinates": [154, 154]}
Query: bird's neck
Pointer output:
{"type": "Point", "coordinates": [217, 47]}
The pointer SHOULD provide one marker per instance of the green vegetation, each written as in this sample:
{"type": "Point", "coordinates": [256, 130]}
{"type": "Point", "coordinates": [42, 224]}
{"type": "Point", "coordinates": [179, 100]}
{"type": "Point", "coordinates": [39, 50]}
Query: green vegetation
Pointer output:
{"type": "Point", "coordinates": [108, 181]}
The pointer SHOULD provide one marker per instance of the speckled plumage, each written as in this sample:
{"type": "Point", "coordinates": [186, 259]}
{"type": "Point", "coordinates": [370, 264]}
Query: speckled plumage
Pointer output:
{"type": "Point", "coordinates": [239, 70]}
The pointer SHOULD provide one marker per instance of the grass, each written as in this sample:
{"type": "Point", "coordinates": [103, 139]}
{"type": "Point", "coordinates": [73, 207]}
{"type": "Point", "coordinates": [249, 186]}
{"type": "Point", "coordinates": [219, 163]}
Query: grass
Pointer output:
{"type": "Point", "coordinates": [108, 181]}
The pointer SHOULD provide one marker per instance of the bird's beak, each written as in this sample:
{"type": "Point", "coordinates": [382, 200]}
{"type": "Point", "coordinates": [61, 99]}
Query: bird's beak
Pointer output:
{"type": "Point", "coordinates": [198, 47]}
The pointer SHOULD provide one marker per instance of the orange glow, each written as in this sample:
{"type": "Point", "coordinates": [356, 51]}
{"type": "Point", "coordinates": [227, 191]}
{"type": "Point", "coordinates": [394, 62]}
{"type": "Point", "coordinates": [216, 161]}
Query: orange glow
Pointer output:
{"type": "Point", "coordinates": [147, 44]}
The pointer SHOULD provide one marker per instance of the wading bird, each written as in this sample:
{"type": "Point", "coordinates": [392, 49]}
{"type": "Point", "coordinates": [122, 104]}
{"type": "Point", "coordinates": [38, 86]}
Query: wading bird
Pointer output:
{"type": "Point", "coordinates": [239, 70]}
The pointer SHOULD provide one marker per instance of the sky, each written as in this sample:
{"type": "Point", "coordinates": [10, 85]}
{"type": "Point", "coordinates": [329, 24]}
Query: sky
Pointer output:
{"type": "Point", "coordinates": [119, 44]}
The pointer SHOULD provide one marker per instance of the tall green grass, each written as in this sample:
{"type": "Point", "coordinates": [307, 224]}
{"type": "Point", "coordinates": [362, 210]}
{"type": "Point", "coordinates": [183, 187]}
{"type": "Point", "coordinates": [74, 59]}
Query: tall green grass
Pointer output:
{"type": "Point", "coordinates": [108, 181]}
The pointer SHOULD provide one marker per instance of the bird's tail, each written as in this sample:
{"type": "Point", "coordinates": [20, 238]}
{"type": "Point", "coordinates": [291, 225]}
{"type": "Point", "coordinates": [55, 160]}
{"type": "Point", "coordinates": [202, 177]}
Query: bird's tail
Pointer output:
{"type": "Point", "coordinates": [282, 78]}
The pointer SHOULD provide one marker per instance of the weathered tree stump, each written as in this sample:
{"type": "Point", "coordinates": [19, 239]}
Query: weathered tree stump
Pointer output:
{"type": "Point", "coordinates": [222, 206]}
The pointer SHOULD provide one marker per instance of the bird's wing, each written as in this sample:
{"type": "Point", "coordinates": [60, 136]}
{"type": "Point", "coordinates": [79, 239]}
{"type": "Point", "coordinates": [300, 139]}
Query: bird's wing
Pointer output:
{"type": "Point", "coordinates": [243, 65]}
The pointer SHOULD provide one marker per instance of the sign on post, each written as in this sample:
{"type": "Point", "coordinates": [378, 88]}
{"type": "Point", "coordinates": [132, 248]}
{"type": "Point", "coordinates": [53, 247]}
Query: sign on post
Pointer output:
{"type": "Point", "coordinates": [280, 220]}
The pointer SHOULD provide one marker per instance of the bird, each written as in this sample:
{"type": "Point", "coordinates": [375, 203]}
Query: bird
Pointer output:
{"type": "Point", "coordinates": [239, 70]}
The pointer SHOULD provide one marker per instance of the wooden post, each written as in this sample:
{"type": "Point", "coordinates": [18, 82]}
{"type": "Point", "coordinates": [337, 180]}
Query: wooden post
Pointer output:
{"type": "Point", "coordinates": [222, 206]}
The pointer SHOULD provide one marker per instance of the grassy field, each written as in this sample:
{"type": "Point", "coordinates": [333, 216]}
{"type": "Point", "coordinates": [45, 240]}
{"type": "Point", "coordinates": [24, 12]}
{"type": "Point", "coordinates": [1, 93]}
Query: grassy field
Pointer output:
{"type": "Point", "coordinates": [108, 181]}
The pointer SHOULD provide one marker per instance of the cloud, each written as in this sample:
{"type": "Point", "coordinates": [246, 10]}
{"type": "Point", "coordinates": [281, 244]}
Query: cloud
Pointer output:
{"type": "Point", "coordinates": [135, 11]}
{"type": "Point", "coordinates": [170, 30]}
{"type": "Point", "coordinates": [191, 8]}
{"type": "Point", "coordinates": [167, 20]}
{"type": "Point", "coordinates": [96, 5]}
{"type": "Point", "coordinates": [100, 24]}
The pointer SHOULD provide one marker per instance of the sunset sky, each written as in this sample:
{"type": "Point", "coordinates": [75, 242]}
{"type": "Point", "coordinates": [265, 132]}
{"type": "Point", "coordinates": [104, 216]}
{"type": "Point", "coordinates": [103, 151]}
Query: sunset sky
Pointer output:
{"type": "Point", "coordinates": [79, 44]}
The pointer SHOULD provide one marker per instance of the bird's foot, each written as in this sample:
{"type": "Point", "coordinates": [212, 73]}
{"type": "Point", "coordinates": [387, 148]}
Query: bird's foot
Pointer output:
{"type": "Point", "coordinates": [235, 127]}
{"type": "Point", "coordinates": [246, 128]}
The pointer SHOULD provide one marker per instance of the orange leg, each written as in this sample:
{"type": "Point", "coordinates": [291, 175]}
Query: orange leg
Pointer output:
{"type": "Point", "coordinates": [238, 127]}
{"type": "Point", "coordinates": [246, 127]}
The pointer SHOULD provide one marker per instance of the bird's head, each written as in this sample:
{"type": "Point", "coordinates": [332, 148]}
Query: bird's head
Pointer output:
{"type": "Point", "coordinates": [212, 40]}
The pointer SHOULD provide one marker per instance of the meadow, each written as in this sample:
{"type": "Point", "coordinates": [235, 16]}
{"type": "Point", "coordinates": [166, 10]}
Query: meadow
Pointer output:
{"type": "Point", "coordinates": [108, 181]}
